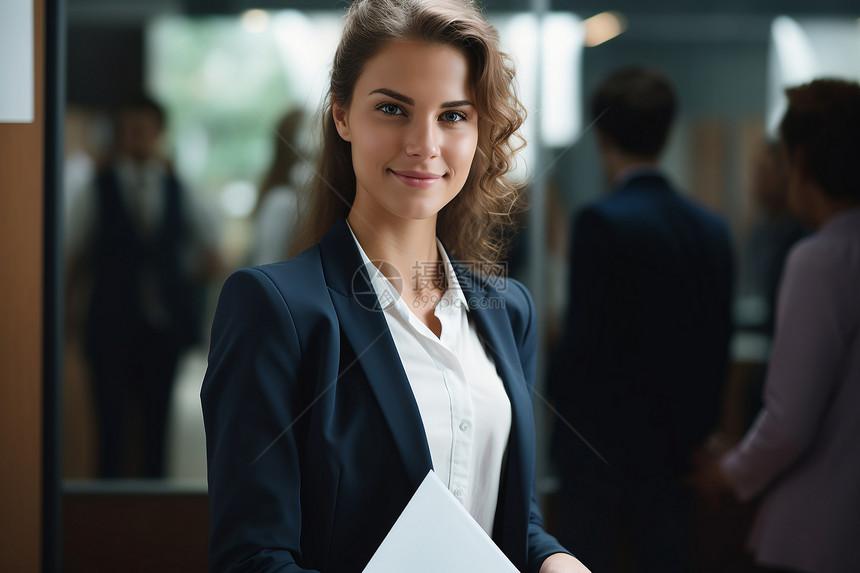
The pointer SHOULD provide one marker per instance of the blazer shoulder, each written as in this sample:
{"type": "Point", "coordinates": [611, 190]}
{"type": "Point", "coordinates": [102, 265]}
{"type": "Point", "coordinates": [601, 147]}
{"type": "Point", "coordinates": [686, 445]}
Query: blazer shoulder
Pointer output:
{"type": "Point", "coordinates": [497, 293]}
{"type": "Point", "coordinates": [299, 280]}
{"type": "Point", "coordinates": [628, 206]}
{"type": "Point", "coordinates": [518, 304]}
{"type": "Point", "coordinates": [291, 295]}
{"type": "Point", "coordinates": [617, 208]}
{"type": "Point", "coordinates": [518, 297]}
{"type": "Point", "coordinates": [297, 286]}
{"type": "Point", "coordinates": [715, 227]}
{"type": "Point", "coordinates": [706, 214]}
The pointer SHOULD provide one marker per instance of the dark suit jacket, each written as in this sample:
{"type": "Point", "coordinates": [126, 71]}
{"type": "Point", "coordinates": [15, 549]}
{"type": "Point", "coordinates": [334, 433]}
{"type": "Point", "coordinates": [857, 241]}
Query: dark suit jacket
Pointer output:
{"type": "Point", "coordinates": [314, 439]}
{"type": "Point", "coordinates": [640, 369]}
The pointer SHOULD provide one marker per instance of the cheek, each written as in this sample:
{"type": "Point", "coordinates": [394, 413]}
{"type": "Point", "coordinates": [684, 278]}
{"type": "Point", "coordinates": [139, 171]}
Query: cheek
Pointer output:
{"type": "Point", "coordinates": [382, 142]}
{"type": "Point", "coordinates": [372, 147]}
{"type": "Point", "coordinates": [462, 151]}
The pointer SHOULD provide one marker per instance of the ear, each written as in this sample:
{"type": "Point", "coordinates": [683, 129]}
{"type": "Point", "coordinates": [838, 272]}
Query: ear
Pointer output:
{"type": "Point", "coordinates": [796, 161]}
{"type": "Point", "coordinates": [603, 140]}
{"type": "Point", "coordinates": [341, 120]}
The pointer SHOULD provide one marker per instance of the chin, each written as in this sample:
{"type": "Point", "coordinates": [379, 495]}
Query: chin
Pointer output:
{"type": "Point", "coordinates": [418, 213]}
{"type": "Point", "coordinates": [419, 209]}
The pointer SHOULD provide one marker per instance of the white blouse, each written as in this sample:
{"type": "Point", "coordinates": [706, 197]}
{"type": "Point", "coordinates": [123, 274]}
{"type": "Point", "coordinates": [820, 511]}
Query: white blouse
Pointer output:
{"type": "Point", "coordinates": [461, 398]}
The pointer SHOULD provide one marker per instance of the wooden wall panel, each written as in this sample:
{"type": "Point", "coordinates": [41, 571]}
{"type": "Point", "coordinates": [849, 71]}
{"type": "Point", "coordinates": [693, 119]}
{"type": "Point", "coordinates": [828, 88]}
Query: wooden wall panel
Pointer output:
{"type": "Point", "coordinates": [708, 160]}
{"type": "Point", "coordinates": [21, 248]}
{"type": "Point", "coordinates": [108, 532]}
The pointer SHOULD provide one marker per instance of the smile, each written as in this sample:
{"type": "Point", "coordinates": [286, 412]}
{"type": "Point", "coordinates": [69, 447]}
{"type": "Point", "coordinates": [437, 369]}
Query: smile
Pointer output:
{"type": "Point", "coordinates": [419, 179]}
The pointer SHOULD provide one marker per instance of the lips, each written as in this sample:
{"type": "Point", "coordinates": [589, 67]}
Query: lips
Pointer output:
{"type": "Point", "coordinates": [420, 179]}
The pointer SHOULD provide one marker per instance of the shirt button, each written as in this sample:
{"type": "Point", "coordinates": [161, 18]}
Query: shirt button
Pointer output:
{"type": "Point", "coordinates": [464, 426]}
{"type": "Point", "coordinates": [460, 491]}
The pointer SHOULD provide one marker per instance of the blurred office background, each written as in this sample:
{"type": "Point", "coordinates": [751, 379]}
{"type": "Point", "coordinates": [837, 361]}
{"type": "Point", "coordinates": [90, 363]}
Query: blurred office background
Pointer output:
{"type": "Point", "coordinates": [226, 72]}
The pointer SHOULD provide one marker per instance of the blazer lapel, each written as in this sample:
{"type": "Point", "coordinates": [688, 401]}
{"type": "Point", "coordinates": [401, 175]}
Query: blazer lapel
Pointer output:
{"type": "Point", "coordinates": [364, 326]}
{"type": "Point", "coordinates": [494, 327]}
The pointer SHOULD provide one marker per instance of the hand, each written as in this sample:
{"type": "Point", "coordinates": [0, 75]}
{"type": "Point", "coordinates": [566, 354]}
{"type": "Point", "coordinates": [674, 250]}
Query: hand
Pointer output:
{"type": "Point", "coordinates": [710, 483]}
{"type": "Point", "coordinates": [720, 441]}
{"type": "Point", "coordinates": [714, 447]}
{"type": "Point", "coordinates": [563, 563]}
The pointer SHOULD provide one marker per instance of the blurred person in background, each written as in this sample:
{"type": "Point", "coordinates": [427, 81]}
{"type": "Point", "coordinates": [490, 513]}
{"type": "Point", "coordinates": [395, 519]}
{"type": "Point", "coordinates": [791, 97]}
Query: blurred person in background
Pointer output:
{"type": "Point", "coordinates": [276, 217]}
{"type": "Point", "coordinates": [147, 246]}
{"type": "Point", "coordinates": [638, 374]}
{"type": "Point", "coordinates": [79, 161]}
{"type": "Point", "coordinates": [773, 234]}
{"type": "Point", "coordinates": [721, 531]}
{"type": "Point", "coordinates": [801, 453]}
{"type": "Point", "coordinates": [81, 153]}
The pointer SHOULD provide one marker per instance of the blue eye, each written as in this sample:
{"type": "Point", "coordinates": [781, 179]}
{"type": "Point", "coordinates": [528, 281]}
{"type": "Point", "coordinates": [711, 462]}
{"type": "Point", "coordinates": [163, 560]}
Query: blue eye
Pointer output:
{"type": "Point", "coordinates": [453, 116]}
{"type": "Point", "coordinates": [390, 109]}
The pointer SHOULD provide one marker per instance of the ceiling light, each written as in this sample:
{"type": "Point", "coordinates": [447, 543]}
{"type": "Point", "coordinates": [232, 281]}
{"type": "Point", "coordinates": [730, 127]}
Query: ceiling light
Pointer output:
{"type": "Point", "coordinates": [603, 27]}
{"type": "Point", "coordinates": [255, 21]}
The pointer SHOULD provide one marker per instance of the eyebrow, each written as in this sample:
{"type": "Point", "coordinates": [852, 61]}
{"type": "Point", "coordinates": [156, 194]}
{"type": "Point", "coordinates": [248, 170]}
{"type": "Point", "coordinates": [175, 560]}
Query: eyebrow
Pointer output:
{"type": "Point", "coordinates": [409, 101]}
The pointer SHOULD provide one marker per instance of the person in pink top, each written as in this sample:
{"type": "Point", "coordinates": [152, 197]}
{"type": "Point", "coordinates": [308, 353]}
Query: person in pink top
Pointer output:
{"type": "Point", "coordinates": [802, 453]}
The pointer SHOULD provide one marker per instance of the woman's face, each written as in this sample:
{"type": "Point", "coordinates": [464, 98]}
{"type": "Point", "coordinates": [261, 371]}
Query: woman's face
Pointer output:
{"type": "Point", "coordinates": [413, 130]}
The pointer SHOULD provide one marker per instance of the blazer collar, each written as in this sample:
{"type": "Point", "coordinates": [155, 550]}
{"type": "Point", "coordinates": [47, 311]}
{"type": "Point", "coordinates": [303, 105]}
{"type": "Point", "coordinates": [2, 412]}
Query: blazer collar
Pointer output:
{"type": "Point", "coordinates": [649, 179]}
{"type": "Point", "coordinates": [387, 293]}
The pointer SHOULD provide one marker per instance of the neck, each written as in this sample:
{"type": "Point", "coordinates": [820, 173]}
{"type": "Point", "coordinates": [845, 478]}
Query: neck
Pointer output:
{"type": "Point", "coordinates": [409, 246]}
{"type": "Point", "coordinates": [617, 163]}
{"type": "Point", "coordinates": [828, 209]}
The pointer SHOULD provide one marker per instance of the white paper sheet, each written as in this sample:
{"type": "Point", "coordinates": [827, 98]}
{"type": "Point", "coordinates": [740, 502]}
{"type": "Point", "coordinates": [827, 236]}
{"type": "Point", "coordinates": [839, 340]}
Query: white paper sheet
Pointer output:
{"type": "Point", "coordinates": [436, 534]}
{"type": "Point", "coordinates": [16, 61]}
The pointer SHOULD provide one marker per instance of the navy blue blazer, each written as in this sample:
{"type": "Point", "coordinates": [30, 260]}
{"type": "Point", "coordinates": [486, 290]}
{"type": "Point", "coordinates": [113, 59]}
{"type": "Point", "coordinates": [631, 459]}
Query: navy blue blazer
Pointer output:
{"type": "Point", "coordinates": [640, 368]}
{"type": "Point", "coordinates": [314, 440]}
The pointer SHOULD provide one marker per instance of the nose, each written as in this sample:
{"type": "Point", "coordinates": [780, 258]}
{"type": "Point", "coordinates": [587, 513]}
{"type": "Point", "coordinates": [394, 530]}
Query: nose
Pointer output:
{"type": "Point", "coordinates": [422, 138]}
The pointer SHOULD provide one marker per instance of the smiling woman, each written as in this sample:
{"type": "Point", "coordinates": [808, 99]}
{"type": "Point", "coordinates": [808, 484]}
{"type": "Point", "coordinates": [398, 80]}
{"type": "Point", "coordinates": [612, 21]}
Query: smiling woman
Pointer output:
{"type": "Point", "coordinates": [334, 386]}
{"type": "Point", "coordinates": [413, 133]}
{"type": "Point", "coordinates": [471, 225]}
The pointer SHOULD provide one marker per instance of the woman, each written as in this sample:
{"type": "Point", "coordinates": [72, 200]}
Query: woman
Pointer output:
{"type": "Point", "coordinates": [275, 217]}
{"type": "Point", "coordinates": [801, 453]}
{"type": "Point", "coordinates": [335, 384]}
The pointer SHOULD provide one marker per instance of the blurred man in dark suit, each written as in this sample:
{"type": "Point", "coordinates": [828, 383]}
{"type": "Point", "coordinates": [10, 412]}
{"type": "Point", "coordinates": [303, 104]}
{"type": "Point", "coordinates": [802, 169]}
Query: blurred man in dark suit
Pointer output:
{"type": "Point", "coordinates": [640, 367]}
{"type": "Point", "coordinates": [148, 245]}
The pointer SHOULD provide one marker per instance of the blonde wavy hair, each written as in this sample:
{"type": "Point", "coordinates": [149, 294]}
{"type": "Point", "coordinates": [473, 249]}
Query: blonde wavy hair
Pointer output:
{"type": "Point", "coordinates": [476, 225]}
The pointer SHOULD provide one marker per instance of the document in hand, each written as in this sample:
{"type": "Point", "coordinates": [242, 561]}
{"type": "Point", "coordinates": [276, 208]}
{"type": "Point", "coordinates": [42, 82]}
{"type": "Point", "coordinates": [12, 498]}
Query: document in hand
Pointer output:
{"type": "Point", "coordinates": [435, 533]}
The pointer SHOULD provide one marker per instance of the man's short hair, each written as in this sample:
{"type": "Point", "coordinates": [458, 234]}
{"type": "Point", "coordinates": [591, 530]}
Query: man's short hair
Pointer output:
{"type": "Point", "coordinates": [635, 107]}
{"type": "Point", "coordinates": [823, 121]}
{"type": "Point", "coordinates": [146, 104]}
